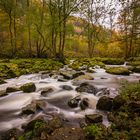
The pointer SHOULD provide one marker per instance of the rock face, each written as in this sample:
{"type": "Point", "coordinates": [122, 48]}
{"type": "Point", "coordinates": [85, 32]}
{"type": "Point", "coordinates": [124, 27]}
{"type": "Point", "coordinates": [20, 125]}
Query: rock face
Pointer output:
{"type": "Point", "coordinates": [46, 91]}
{"type": "Point", "coordinates": [29, 87]}
{"type": "Point", "coordinates": [85, 87]}
{"type": "Point", "coordinates": [66, 87]}
{"type": "Point", "coordinates": [11, 89]}
{"type": "Point", "coordinates": [73, 103]}
{"type": "Point", "coordinates": [94, 118]}
{"type": "Point", "coordinates": [105, 103]}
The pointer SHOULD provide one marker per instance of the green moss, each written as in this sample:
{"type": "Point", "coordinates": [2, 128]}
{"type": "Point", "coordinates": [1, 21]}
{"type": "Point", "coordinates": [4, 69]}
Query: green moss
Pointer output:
{"type": "Point", "coordinates": [112, 61]}
{"type": "Point", "coordinates": [118, 70]}
{"type": "Point", "coordinates": [17, 67]}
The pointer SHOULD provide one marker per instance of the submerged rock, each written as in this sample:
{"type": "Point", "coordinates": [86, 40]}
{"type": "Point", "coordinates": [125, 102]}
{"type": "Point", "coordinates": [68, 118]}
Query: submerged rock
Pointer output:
{"type": "Point", "coordinates": [12, 89]}
{"type": "Point", "coordinates": [94, 118]}
{"type": "Point", "coordinates": [105, 103]}
{"type": "Point", "coordinates": [85, 87]}
{"type": "Point", "coordinates": [46, 91]}
{"type": "Point", "coordinates": [66, 87]}
{"type": "Point", "coordinates": [73, 103]}
{"type": "Point", "coordinates": [29, 87]}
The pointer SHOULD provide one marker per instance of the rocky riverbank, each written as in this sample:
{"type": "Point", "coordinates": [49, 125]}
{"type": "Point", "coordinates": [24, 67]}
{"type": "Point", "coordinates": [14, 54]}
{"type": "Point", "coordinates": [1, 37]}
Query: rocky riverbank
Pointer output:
{"type": "Point", "coordinates": [71, 104]}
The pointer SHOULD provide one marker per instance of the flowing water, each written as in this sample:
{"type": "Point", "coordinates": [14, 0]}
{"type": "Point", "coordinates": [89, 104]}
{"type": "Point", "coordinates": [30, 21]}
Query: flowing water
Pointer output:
{"type": "Point", "coordinates": [56, 102]}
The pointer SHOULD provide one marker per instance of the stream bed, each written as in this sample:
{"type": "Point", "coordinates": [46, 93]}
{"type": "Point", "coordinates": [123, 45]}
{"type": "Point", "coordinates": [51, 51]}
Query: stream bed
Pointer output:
{"type": "Point", "coordinates": [57, 101]}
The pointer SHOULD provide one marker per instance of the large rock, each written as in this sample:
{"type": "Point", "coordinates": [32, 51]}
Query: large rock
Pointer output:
{"type": "Point", "coordinates": [46, 91]}
{"type": "Point", "coordinates": [105, 103]}
{"type": "Point", "coordinates": [94, 118]}
{"type": "Point", "coordinates": [66, 87]}
{"type": "Point", "coordinates": [29, 87]}
{"type": "Point", "coordinates": [11, 89]}
{"type": "Point", "coordinates": [136, 69]}
{"type": "Point", "coordinates": [118, 70]}
{"type": "Point", "coordinates": [3, 93]}
{"type": "Point", "coordinates": [73, 103]}
{"type": "Point", "coordinates": [85, 87]}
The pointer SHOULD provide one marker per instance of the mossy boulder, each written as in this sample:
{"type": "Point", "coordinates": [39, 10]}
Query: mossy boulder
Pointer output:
{"type": "Point", "coordinates": [29, 87]}
{"type": "Point", "coordinates": [11, 89]}
{"type": "Point", "coordinates": [113, 61]}
{"type": "Point", "coordinates": [94, 118]}
{"type": "Point", "coordinates": [105, 103]}
{"type": "Point", "coordinates": [118, 70]}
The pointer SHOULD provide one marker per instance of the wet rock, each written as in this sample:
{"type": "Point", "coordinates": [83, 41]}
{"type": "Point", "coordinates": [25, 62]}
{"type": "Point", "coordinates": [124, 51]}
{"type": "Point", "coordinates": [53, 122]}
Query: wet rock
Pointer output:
{"type": "Point", "coordinates": [2, 81]}
{"type": "Point", "coordinates": [84, 103]}
{"type": "Point", "coordinates": [29, 87]}
{"type": "Point", "coordinates": [84, 77]}
{"type": "Point", "coordinates": [134, 106]}
{"type": "Point", "coordinates": [62, 80]}
{"type": "Point", "coordinates": [85, 87]}
{"type": "Point", "coordinates": [105, 103]}
{"type": "Point", "coordinates": [33, 107]}
{"type": "Point", "coordinates": [73, 103]}
{"type": "Point", "coordinates": [12, 89]}
{"type": "Point", "coordinates": [94, 118]}
{"type": "Point", "coordinates": [66, 87]}
{"type": "Point", "coordinates": [68, 133]}
{"type": "Point", "coordinates": [118, 101]}
{"type": "Point", "coordinates": [29, 109]}
{"type": "Point", "coordinates": [46, 91]}
{"type": "Point", "coordinates": [67, 75]}
{"type": "Point", "coordinates": [77, 74]}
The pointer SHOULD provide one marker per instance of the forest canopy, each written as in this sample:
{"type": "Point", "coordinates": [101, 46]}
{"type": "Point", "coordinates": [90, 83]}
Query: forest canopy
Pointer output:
{"type": "Point", "coordinates": [71, 28]}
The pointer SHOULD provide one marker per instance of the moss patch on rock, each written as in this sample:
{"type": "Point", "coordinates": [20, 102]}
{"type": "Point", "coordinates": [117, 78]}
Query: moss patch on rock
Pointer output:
{"type": "Point", "coordinates": [118, 70]}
